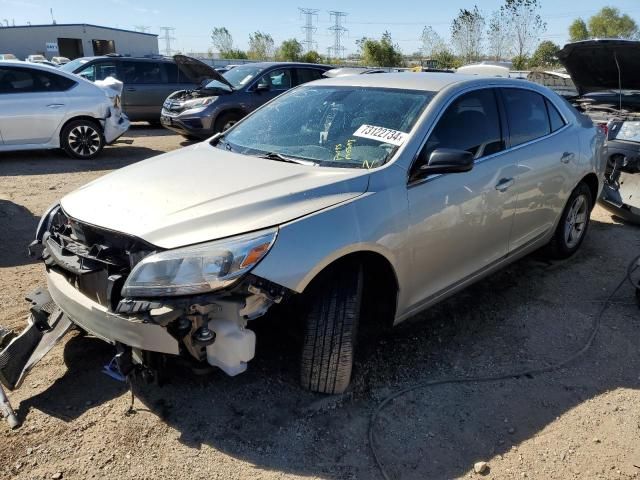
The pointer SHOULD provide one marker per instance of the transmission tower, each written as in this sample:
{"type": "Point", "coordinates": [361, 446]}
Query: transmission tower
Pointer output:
{"type": "Point", "coordinates": [141, 28]}
{"type": "Point", "coordinates": [308, 27]}
{"type": "Point", "coordinates": [338, 31]}
{"type": "Point", "coordinates": [167, 39]}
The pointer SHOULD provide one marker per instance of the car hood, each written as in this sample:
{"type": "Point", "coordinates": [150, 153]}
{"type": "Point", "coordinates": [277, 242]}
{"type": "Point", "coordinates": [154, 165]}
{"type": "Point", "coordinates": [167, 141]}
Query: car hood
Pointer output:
{"type": "Point", "coordinates": [198, 71]}
{"type": "Point", "coordinates": [202, 193]}
{"type": "Point", "coordinates": [593, 64]}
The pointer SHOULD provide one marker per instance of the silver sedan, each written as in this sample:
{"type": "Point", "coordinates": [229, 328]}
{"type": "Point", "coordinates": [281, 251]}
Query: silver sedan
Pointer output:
{"type": "Point", "coordinates": [351, 200]}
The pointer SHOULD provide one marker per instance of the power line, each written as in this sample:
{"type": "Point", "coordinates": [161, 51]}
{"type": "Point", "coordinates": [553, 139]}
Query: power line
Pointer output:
{"type": "Point", "coordinates": [338, 31]}
{"type": "Point", "coordinates": [167, 39]}
{"type": "Point", "coordinates": [308, 28]}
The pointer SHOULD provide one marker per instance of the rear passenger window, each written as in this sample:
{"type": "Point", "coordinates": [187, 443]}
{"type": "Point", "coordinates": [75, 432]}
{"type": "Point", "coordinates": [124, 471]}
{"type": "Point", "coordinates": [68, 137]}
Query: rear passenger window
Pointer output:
{"type": "Point", "coordinates": [554, 117]}
{"type": "Point", "coordinates": [527, 115]}
{"type": "Point", "coordinates": [21, 80]}
{"type": "Point", "coordinates": [308, 74]}
{"type": "Point", "coordinates": [142, 72]}
{"type": "Point", "coordinates": [471, 123]}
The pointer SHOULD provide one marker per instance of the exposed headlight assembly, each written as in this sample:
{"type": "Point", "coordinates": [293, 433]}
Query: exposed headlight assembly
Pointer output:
{"type": "Point", "coordinates": [45, 222]}
{"type": "Point", "coordinates": [200, 268]}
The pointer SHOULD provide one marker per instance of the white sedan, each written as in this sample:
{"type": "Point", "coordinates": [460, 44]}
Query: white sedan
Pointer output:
{"type": "Point", "coordinates": [44, 108]}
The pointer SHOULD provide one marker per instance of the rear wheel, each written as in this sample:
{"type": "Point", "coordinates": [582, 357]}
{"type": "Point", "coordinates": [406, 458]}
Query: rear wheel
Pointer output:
{"type": "Point", "coordinates": [225, 121]}
{"type": "Point", "coordinates": [82, 139]}
{"type": "Point", "coordinates": [330, 331]}
{"type": "Point", "coordinates": [573, 224]}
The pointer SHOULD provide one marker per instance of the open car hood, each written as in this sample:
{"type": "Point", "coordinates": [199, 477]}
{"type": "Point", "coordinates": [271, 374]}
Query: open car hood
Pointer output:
{"type": "Point", "coordinates": [593, 64]}
{"type": "Point", "coordinates": [198, 71]}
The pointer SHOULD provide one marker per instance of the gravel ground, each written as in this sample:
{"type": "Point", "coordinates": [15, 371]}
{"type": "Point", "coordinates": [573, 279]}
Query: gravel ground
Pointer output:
{"type": "Point", "coordinates": [582, 421]}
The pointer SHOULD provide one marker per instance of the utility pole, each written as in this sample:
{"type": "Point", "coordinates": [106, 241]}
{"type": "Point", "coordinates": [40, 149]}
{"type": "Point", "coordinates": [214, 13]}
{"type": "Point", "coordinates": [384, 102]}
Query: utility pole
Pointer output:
{"type": "Point", "coordinates": [167, 39]}
{"type": "Point", "coordinates": [308, 28]}
{"type": "Point", "coordinates": [338, 31]}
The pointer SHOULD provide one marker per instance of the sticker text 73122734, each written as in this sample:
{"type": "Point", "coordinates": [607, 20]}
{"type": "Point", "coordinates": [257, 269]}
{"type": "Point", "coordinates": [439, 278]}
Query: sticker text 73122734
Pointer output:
{"type": "Point", "coordinates": [381, 134]}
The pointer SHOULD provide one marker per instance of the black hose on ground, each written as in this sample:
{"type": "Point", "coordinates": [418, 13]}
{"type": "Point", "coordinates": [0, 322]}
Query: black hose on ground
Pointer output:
{"type": "Point", "coordinates": [504, 376]}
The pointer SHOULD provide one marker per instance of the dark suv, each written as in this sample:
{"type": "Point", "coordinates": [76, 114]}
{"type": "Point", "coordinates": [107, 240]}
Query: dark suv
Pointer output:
{"type": "Point", "coordinates": [147, 81]}
{"type": "Point", "coordinates": [220, 103]}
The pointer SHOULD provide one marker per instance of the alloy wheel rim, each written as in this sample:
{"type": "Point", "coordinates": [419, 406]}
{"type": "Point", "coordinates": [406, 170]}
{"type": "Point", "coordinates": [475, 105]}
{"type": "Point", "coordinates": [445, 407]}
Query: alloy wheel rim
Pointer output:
{"type": "Point", "coordinates": [576, 221]}
{"type": "Point", "coordinates": [84, 140]}
{"type": "Point", "coordinates": [229, 124]}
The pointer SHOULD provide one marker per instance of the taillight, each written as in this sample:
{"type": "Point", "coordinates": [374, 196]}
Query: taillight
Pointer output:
{"type": "Point", "coordinates": [605, 128]}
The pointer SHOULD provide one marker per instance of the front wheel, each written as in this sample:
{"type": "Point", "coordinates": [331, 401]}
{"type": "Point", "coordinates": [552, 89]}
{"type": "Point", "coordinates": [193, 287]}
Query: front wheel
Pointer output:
{"type": "Point", "coordinates": [82, 139]}
{"type": "Point", "coordinates": [573, 224]}
{"type": "Point", "coordinates": [225, 121]}
{"type": "Point", "coordinates": [330, 332]}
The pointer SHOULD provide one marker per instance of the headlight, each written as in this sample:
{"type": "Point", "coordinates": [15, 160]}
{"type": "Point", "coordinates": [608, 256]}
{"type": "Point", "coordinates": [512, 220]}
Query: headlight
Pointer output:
{"type": "Point", "coordinates": [198, 269]}
{"type": "Point", "coordinates": [198, 102]}
{"type": "Point", "coordinates": [45, 222]}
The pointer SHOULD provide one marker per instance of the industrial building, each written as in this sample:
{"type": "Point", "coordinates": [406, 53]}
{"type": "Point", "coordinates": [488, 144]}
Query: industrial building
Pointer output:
{"type": "Point", "coordinates": [75, 40]}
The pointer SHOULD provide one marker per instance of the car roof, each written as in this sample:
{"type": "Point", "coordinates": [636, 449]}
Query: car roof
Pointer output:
{"type": "Point", "coordinates": [427, 81]}
{"type": "Point", "coordinates": [44, 67]}
{"type": "Point", "coordinates": [282, 64]}
{"type": "Point", "coordinates": [158, 58]}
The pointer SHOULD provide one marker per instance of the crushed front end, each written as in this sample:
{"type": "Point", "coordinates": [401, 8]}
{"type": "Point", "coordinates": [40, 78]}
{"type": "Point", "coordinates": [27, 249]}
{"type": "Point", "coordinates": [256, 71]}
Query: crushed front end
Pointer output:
{"type": "Point", "coordinates": [193, 302]}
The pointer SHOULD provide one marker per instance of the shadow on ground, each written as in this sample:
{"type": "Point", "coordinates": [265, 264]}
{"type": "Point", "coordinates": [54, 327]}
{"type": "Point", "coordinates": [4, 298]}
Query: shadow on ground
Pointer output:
{"type": "Point", "coordinates": [533, 313]}
{"type": "Point", "coordinates": [17, 229]}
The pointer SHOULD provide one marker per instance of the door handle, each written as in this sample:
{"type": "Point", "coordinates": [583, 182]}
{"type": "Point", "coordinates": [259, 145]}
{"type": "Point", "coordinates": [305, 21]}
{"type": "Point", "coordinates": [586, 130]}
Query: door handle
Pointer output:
{"type": "Point", "coordinates": [55, 105]}
{"type": "Point", "coordinates": [567, 157]}
{"type": "Point", "coordinates": [504, 184]}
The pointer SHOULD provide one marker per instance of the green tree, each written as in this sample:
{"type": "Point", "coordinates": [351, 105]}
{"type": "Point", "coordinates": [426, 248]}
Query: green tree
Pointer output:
{"type": "Point", "coordinates": [546, 55]}
{"type": "Point", "coordinates": [380, 53]}
{"type": "Point", "coordinates": [520, 62]}
{"type": "Point", "coordinates": [289, 51]}
{"type": "Point", "coordinates": [222, 40]}
{"type": "Point", "coordinates": [235, 54]}
{"type": "Point", "coordinates": [311, 57]}
{"type": "Point", "coordinates": [609, 23]}
{"type": "Point", "coordinates": [445, 59]}
{"type": "Point", "coordinates": [578, 30]}
{"type": "Point", "coordinates": [260, 46]}
{"type": "Point", "coordinates": [499, 35]}
{"type": "Point", "coordinates": [467, 30]}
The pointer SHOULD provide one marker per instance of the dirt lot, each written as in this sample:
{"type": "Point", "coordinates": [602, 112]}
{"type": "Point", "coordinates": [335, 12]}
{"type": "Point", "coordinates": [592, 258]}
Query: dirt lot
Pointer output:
{"type": "Point", "coordinates": [580, 422]}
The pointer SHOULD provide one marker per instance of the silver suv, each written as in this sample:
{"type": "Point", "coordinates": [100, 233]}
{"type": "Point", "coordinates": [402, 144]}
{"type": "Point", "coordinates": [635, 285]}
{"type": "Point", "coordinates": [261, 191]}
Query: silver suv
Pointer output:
{"type": "Point", "coordinates": [350, 200]}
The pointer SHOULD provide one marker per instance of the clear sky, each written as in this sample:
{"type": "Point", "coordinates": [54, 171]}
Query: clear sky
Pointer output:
{"type": "Point", "coordinates": [193, 20]}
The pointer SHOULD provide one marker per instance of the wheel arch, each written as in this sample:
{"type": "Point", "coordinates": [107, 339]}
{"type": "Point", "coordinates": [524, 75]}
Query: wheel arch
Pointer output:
{"type": "Point", "coordinates": [381, 286]}
{"type": "Point", "coordinates": [591, 181]}
{"type": "Point", "coordinates": [80, 117]}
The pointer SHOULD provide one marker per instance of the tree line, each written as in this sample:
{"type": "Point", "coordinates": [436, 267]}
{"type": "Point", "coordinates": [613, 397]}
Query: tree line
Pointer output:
{"type": "Point", "coordinates": [512, 32]}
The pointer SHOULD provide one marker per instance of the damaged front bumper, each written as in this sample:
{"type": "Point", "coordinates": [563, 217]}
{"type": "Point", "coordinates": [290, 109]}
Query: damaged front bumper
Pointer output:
{"type": "Point", "coordinates": [621, 189]}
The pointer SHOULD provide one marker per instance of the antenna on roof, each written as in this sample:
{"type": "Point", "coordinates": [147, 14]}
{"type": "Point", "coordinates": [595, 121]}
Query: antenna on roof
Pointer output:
{"type": "Point", "coordinates": [615, 56]}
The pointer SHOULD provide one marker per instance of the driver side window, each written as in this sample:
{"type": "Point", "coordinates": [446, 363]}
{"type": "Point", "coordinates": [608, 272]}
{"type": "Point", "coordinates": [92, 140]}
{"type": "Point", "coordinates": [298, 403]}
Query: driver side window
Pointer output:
{"type": "Point", "coordinates": [470, 123]}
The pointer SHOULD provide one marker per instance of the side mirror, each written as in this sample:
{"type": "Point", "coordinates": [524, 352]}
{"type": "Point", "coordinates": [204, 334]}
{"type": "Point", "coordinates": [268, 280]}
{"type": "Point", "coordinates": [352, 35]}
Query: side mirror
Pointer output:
{"type": "Point", "coordinates": [263, 87]}
{"type": "Point", "coordinates": [448, 160]}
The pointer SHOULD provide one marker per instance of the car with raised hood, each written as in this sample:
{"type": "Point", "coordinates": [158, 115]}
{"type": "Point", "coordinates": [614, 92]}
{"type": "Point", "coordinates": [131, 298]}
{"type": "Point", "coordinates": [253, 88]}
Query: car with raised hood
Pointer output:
{"type": "Point", "coordinates": [346, 202]}
{"type": "Point", "coordinates": [43, 108]}
{"type": "Point", "coordinates": [607, 76]}
{"type": "Point", "coordinates": [217, 105]}
{"type": "Point", "coordinates": [147, 80]}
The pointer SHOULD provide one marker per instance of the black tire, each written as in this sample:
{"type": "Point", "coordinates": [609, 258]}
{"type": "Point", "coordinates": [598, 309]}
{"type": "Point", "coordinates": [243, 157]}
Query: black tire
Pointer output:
{"type": "Point", "coordinates": [560, 245]}
{"type": "Point", "coordinates": [191, 138]}
{"type": "Point", "coordinates": [330, 332]}
{"type": "Point", "coordinates": [225, 121]}
{"type": "Point", "coordinates": [82, 139]}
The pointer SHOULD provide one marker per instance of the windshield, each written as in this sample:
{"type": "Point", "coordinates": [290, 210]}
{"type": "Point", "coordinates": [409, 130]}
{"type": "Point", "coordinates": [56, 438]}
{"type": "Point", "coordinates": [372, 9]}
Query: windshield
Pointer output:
{"type": "Point", "coordinates": [73, 65]}
{"type": "Point", "coordinates": [352, 127]}
{"type": "Point", "coordinates": [240, 76]}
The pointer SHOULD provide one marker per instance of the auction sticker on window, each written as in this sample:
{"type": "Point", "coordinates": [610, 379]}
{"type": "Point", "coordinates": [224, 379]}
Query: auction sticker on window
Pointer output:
{"type": "Point", "coordinates": [381, 134]}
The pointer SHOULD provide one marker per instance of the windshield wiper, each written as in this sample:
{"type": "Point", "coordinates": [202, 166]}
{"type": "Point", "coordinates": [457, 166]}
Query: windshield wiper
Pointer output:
{"type": "Point", "coordinates": [282, 158]}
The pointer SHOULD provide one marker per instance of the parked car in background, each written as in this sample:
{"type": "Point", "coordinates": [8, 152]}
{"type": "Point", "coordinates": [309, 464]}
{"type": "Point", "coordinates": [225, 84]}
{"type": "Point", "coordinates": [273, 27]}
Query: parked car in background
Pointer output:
{"type": "Point", "coordinates": [350, 200]}
{"type": "Point", "coordinates": [7, 56]}
{"type": "Point", "coordinates": [344, 71]}
{"type": "Point", "coordinates": [60, 60]}
{"type": "Point", "coordinates": [147, 81]}
{"type": "Point", "coordinates": [42, 108]}
{"type": "Point", "coordinates": [219, 104]}
{"type": "Point", "coordinates": [36, 58]}
{"type": "Point", "coordinates": [605, 73]}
